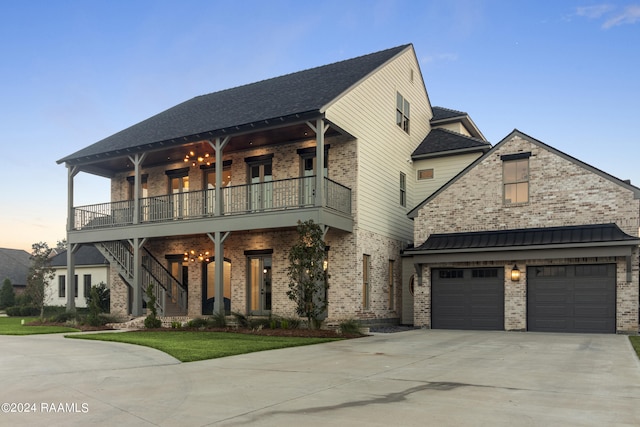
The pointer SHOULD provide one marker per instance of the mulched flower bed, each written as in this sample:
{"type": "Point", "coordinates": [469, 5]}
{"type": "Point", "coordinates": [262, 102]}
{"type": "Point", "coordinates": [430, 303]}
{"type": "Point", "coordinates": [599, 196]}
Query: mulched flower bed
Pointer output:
{"type": "Point", "coordinates": [299, 332]}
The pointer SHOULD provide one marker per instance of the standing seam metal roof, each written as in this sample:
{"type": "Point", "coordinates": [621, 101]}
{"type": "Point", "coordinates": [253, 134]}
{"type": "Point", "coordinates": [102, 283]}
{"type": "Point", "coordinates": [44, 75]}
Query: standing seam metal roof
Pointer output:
{"type": "Point", "coordinates": [566, 235]}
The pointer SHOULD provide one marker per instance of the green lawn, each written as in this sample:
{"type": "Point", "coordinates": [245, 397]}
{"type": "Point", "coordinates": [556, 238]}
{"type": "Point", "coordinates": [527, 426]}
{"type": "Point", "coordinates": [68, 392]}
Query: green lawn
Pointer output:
{"type": "Point", "coordinates": [14, 326]}
{"type": "Point", "coordinates": [189, 346]}
{"type": "Point", "coordinates": [635, 342]}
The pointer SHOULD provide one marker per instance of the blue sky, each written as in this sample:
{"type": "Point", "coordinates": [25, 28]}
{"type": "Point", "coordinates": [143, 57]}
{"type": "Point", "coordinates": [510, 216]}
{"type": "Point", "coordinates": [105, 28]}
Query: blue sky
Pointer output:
{"type": "Point", "coordinates": [74, 72]}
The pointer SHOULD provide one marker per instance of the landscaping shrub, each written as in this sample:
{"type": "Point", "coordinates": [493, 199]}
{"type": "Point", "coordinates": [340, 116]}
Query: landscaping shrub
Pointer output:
{"type": "Point", "coordinates": [93, 304]}
{"type": "Point", "coordinates": [104, 318]}
{"type": "Point", "coordinates": [198, 323]}
{"type": "Point", "coordinates": [350, 326]}
{"type": "Point", "coordinates": [101, 296]}
{"type": "Point", "coordinates": [259, 323]}
{"type": "Point", "coordinates": [25, 310]}
{"type": "Point", "coordinates": [63, 317]}
{"type": "Point", "coordinates": [241, 319]}
{"type": "Point", "coordinates": [218, 320]}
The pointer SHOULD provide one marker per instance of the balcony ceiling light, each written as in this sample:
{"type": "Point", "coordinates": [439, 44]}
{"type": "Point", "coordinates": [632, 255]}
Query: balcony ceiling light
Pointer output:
{"type": "Point", "coordinates": [193, 256]}
{"type": "Point", "coordinates": [198, 158]}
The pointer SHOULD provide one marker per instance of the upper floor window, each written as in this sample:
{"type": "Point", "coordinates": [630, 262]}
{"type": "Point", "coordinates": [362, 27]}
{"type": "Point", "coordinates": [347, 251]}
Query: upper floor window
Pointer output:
{"type": "Point", "coordinates": [144, 187]}
{"type": "Point", "coordinates": [402, 112]}
{"type": "Point", "coordinates": [515, 178]}
{"type": "Point", "coordinates": [308, 163]}
{"type": "Point", "coordinates": [403, 189]}
{"type": "Point", "coordinates": [425, 174]}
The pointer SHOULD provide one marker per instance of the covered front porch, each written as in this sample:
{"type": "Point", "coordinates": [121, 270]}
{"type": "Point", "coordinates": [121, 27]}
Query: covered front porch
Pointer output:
{"type": "Point", "coordinates": [162, 194]}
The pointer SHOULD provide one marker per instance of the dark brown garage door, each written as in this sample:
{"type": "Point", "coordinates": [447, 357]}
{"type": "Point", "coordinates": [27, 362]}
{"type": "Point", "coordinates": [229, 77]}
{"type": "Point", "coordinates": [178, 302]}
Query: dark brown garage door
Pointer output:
{"type": "Point", "coordinates": [467, 298]}
{"type": "Point", "coordinates": [572, 298]}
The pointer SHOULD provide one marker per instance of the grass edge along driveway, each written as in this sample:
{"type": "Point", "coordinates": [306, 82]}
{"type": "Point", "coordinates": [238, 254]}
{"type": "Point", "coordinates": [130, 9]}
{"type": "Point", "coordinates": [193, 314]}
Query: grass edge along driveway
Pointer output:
{"type": "Point", "coordinates": [635, 343]}
{"type": "Point", "coordinates": [187, 346]}
{"type": "Point", "coordinates": [14, 326]}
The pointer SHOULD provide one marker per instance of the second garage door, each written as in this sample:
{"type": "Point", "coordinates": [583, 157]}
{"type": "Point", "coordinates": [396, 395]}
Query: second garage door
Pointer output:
{"type": "Point", "coordinates": [470, 298]}
{"type": "Point", "coordinates": [572, 298]}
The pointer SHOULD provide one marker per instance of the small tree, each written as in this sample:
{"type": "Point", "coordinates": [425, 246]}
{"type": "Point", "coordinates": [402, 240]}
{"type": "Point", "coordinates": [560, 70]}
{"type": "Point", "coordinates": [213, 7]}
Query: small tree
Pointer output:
{"type": "Point", "coordinates": [151, 321]}
{"type": "Point", "coordinates": [101, 297]}
{"type": "Point", "coordinates": [307, 276]}
{"type": "Point", "coordinates": [40, 273]}
{"type": "Point", "coordinates": [61, 245]}
{"type": "Point", "coordinates": [93, 304]}
{"type": "Point", "coordinates": [7, 295]}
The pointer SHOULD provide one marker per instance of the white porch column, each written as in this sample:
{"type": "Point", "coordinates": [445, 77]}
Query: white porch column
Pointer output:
{"type": "Point", "coordinates": [70, 290]}
{"type": "Point", "coordinates": [71, 277]}
{"type": "Point", "coordinates": [319, 128]}
{"type": "Point", "coordinates": [137, 160]}
{"type": "Point", "coordinates": [218, 147]}
{"type": "Point", "coordinates": [218, 242]}
{"type": "Point", "coordinates": [137, 243]}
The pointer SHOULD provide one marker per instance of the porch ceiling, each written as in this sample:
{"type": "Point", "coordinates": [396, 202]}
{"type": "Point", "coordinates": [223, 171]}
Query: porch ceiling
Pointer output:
{"type": "Point", "coordinates": [166, 152]}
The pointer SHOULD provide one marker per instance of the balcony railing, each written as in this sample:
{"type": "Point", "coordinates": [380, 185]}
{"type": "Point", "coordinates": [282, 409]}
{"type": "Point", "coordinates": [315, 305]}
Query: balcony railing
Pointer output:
{"type": "Point", "coordinates": [269, 196]}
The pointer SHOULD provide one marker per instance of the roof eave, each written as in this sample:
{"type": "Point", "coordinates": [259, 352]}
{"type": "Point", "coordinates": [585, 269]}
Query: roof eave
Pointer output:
{"type": "Point", "coordinates": [235, 130]}
{"type": "Point", "coordinates": [478, 149]}
{"type": "Point", "coordinates": [629, 242]}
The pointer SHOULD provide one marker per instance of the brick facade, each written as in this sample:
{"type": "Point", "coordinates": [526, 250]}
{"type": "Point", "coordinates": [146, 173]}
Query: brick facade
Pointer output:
{"type": "Point", "coordinates": [344, 257]}
{"type": "Point", "coordinates": [562, 192]}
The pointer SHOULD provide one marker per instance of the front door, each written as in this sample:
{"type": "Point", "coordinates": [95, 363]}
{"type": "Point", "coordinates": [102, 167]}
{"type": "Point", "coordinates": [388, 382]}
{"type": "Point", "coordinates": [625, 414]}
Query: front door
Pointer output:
{"type": "Point", "coordinates": [209, 286]}
{"type": "Point", "coordinates": [259, 286]}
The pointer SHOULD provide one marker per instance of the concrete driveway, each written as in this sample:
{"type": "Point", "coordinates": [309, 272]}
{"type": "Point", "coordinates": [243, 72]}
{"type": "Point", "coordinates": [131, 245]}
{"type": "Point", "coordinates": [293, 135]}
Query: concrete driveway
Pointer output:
{"type": "Point", "coordinates": [415, 378]}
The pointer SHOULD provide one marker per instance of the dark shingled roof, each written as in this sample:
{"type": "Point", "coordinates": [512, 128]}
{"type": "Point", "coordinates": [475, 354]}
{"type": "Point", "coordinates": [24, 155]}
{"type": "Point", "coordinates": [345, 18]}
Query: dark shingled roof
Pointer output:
{"type": "Point", "coordinates": [86, 255]}
{"type": "Point", "coordinates": [442, 140]}
{"type": "Point", "coordinates": [14, 265]}
{"type": "Point", "coordinates": [580, 234]}
{"type": "Point", "coordinates": [303, 92]}
{"type": "Point", "coordinates": [441, 113]}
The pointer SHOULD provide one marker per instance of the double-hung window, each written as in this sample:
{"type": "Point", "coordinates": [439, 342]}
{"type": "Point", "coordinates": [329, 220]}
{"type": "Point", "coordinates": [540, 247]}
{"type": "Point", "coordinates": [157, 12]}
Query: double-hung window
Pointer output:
{"type": "Point", "coordinates": [515, 178]}
{"type": "Point", "coordinates": [403, 189]}
{"type": "Point", "coordinates": [402, 112]}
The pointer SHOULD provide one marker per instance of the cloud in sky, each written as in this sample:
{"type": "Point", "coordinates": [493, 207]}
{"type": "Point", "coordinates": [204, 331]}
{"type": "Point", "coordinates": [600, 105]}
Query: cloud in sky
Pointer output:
{"type": "Point", "coordinates": [630, 15]}
{"type": "Point", "coordinates": [593, 12]}
{"type": "Point", "coordinates": [612, 16]}
{"type": "Point", "coordinates": [440, 57]}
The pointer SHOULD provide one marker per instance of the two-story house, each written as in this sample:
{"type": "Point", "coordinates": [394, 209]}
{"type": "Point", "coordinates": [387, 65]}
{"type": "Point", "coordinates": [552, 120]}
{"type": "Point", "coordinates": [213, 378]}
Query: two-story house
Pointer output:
{"type": "Point", "coordinates": [527, 238]}
{"type": "Point", "coordinates": [205, 196]}
{"type": "Point", "coordinates": [91, 269]}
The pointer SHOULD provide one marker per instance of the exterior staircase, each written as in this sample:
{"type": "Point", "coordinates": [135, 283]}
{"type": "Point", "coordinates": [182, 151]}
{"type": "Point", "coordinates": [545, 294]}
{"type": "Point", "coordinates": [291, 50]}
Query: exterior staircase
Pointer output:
{"type": "Point", "coordinates": [170, 293]}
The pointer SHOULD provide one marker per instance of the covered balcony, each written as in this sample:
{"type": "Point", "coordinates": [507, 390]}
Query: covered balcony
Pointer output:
{"type": "Point", "coordinates": [280, 196]}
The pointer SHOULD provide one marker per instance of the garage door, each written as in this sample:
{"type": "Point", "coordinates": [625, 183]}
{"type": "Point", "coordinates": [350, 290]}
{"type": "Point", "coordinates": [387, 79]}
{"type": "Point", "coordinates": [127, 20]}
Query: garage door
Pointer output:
{"type": "Point", "coordinates": [467, 298]}
{"type": "Point", "coordinates": [572, 298]}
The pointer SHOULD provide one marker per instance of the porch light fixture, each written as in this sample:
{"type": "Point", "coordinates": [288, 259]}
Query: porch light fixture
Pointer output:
{"type": "Point", "coordinates": [195, 159]}
{"type": "Point", "coordinates": [194, 256]}
{"type": "Point", "coordinates": [515, 273]}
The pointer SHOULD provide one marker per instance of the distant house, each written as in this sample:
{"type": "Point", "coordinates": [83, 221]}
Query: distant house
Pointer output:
{"type": "Point", "coordinates": [91, 269]}
{"type": "Point", "coordinates": [527, 238]}
{"type": "Point", "coordinates": [205, 196]}
{"type": "Point", "coordinates": [14, 265]}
